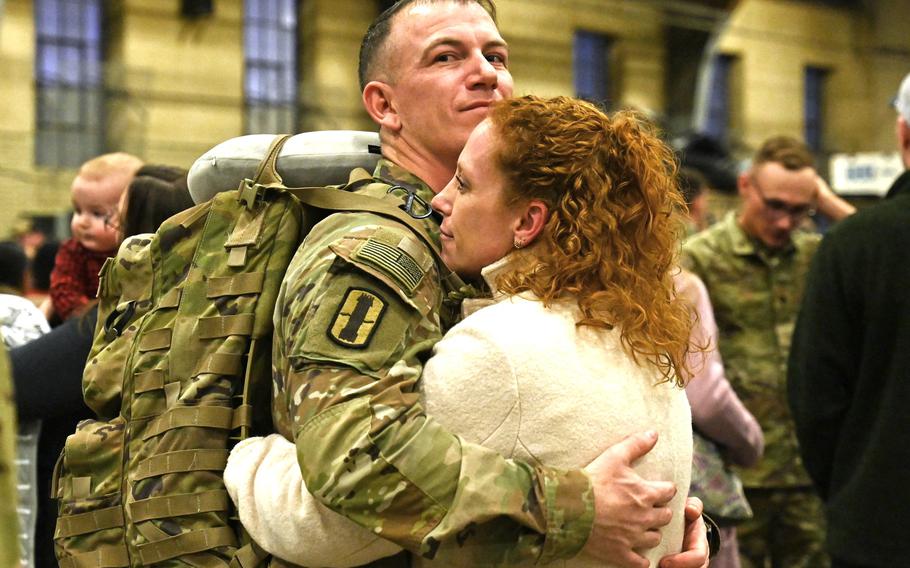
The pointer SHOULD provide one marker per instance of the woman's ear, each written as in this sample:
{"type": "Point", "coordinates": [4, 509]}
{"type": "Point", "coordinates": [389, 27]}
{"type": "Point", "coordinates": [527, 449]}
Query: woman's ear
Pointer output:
{"type": "Point", "coordinates": [377, 99]}
{"type": "Point", "coordinates": [531, 223]}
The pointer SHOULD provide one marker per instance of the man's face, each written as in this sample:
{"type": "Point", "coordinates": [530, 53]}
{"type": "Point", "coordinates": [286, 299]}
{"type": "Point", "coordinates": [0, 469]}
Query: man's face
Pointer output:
{"type": "Point", "coordinates": [775, 201]}
{"type": "Point", "coordinates": [447, 64]}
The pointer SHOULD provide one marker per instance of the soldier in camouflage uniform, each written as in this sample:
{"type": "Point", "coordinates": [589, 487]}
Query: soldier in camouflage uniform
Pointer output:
{"type": "Point", "coordinates": [754, 265]}
{"type": "Point", "coordinates": [362, 305]}
{"type": "Point", "coordinates": [9, 519]}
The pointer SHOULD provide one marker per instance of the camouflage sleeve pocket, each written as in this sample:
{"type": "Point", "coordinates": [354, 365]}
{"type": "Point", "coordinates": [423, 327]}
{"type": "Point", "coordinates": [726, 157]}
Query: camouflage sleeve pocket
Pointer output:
{"type": "Point", "coordinates": [358, 322]}
{"type": "Point", "coordinates": [378, 299]}
{"type": "Point", "coordinates": [87, 485]}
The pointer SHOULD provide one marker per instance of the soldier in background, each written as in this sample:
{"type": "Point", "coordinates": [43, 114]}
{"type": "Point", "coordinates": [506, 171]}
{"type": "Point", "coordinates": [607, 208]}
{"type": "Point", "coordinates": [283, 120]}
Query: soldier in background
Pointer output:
{"type": "Point", "coordinates": [360, 308]}
{"type": "Point", "coordinates": [9, 519]}
{"type": "Point", "coordinates": [754, 265]}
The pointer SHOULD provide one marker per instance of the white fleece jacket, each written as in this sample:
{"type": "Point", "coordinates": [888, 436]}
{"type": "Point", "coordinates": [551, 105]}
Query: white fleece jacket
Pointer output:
{"type": "Point", "coordinates": [516, 377]}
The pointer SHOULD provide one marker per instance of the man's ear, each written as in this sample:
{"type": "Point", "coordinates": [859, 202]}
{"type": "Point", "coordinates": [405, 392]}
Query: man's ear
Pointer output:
{"type": "Point", "coordinates": [742, 183]}
{"type": "Point", "coordinates": [532, 221]}
{"type": "Point", "coordinates": [377, 100]}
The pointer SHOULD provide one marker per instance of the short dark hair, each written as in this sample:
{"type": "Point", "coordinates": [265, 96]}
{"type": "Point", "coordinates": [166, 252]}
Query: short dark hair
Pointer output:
{"type": "Point", "coordinates": [155, 194]}
{"type": "Point", "coordinates": [786, 151]}
{"type": "Point", "coordinates": [691, 184]}
{"type": "Point", "coordinates": [378, 33]}
{"type": "Point", "coordinates": [43, 264]}
{"type": "Point", "coordinates": [12, 265]}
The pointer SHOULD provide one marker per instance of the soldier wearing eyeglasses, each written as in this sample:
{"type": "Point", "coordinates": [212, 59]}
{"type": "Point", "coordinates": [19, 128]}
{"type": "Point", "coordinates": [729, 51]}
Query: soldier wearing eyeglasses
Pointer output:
{"type": "Point", "coordinates": [754, 264]}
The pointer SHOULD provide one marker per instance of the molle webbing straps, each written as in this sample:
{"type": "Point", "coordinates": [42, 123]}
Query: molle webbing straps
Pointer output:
{"type": "Point", "coordinates": [91, 521]}
{"type": "Point", "coordinates": [101, 557]}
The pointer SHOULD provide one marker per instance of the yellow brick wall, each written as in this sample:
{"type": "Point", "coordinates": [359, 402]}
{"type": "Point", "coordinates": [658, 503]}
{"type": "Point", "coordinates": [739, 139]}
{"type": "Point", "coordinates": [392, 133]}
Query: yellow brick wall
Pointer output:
{"type": "Point", "coordinates": [178, 84]}
{"type": "Point", "coordinates": [18, 182]}
{"type": "Point", "coordinates": [776, 39]}
{"type": "Point", "coordinates": [330, 95]}
{"type": "Point", "coordinates": [181, 79]}
{"type": "Point", "coordinates": [540, 34]}
{"type": "Point", "coordinates": [176, 88]}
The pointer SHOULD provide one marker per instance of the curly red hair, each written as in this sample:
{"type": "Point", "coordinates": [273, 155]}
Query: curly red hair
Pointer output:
{"type": "Point", "coordinates": [612, 237]}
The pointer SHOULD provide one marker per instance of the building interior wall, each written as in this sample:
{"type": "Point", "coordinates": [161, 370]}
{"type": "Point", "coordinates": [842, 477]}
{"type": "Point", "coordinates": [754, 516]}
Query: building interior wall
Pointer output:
{"type": "Point", "coordinates": [175, 85]}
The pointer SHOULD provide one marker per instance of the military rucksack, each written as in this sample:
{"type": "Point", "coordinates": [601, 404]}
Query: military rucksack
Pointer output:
{"type": "Point", "coordinates": [179, 371]}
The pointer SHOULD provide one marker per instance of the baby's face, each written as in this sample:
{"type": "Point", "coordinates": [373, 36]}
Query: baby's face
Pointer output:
{"type": "Point", "coordinates": [95, 214]}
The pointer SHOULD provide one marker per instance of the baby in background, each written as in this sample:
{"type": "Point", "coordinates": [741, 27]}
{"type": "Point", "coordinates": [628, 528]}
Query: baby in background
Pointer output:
{"type": "Point", "coordinates": [96, 194]}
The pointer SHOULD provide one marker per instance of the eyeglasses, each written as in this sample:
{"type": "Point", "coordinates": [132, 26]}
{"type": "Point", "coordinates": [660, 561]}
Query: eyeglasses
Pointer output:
{"type": "Point", "coordinates": [776, 208]}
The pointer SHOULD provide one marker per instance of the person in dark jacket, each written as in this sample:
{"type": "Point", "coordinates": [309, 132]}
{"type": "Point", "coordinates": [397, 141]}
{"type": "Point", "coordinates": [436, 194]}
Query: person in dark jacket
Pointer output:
{"type": "Point", "coordinates": [848, 375]}
{"type": "Point", "coordinates": [48, 371]}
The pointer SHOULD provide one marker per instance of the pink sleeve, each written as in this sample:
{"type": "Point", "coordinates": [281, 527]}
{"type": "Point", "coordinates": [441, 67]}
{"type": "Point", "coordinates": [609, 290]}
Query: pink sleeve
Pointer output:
{"type": "Point", "coordinates": [716, 410]}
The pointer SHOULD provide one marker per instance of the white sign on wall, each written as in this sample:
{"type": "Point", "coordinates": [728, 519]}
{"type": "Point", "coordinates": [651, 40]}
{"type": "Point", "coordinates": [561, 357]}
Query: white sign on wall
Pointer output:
{"type": "Point", "coordinates": [866, 173]}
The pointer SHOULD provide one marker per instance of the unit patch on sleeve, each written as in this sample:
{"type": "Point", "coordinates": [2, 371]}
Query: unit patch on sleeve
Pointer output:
{"type": "Point", "coordinates": [357, 318]}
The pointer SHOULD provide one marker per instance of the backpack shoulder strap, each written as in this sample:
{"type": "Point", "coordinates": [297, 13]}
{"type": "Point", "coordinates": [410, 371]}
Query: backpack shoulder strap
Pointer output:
{"type": "Point", "coordinates": [267, 173]}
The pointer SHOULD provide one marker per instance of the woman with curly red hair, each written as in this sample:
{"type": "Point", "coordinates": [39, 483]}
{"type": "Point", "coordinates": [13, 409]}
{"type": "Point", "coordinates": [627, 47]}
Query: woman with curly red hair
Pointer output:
{"type": "Point", "coordinates": [594, 204]}
{"type": "Point", "coordinates": [570, 219]}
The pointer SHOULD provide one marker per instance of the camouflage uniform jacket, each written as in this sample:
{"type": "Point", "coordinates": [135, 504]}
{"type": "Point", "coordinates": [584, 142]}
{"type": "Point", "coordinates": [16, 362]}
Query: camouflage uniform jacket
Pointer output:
{"type": "Point", "coordinates": [9, 519]}
{"type": "Point", "coordinates": [357, 315]}
{"type": "Point", "coordinates": [756, 294]}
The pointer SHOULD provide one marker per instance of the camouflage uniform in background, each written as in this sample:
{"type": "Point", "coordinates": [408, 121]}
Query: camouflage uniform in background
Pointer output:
{"type": "Point", "coordinates": [359, 311]}
{"type": "Point", "coordinates": [9, 519]}
{"type": "Point", "coordinates": [21, 322]}
{"type": "Point", "coordinates": [756, 293]}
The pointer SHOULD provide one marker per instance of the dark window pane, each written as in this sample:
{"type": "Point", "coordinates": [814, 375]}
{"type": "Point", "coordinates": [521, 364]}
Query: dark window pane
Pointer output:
{"type": "Point", "coordinates": [718, 116]}
{"type": "Point", "coordinates": [69, 76]}
{"type": "Point", "coordinates": [814, 107]}
{"type": "Point", "coordinates": [47, 20]}
{"type": "Point", "coordinates": [270, 46]}
{"type": "Point", "coordinates": [253, 91]}
{"type": "Point", "coordinates": [592, 66]}
{"type": "Point", "coordinates": [71, 15]}
{"type": "Point", "coordinates": [270, 82]}
{"type": "Point", "coordinates": [93, 23]}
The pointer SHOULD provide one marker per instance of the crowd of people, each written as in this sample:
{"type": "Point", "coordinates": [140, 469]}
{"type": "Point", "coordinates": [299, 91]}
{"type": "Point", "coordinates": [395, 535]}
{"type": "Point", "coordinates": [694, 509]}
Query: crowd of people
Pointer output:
{"type": "Point", "coordinates": [617, 383]}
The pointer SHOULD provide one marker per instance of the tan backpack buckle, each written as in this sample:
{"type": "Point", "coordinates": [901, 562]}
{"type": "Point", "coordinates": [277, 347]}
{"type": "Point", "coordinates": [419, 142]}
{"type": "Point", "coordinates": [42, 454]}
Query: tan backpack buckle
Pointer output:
{"type": "Point", "coordinates": [249, 192]}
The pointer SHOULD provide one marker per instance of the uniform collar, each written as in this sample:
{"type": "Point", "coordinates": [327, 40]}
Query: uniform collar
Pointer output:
{"type": "Point", "coordinates": [742, 244]}
{"type": "Point", "coordinates": [745, 245]}
{"type": "Point", "coordinates": [395, 175]}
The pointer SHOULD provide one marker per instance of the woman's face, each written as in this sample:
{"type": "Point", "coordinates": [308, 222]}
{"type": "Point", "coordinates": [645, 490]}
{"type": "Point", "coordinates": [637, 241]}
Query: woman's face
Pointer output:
{"type": "Point", "coordinates": [478, 226]}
